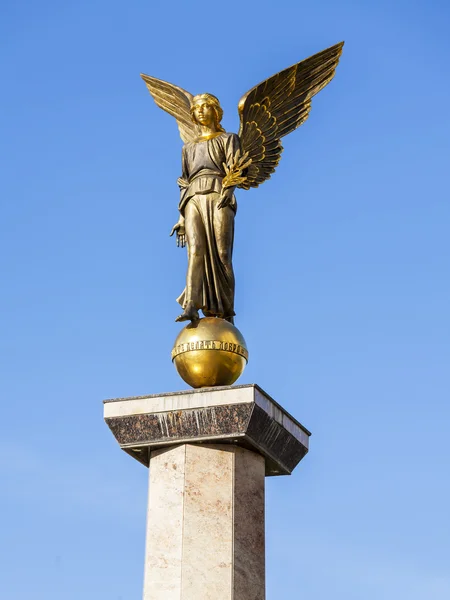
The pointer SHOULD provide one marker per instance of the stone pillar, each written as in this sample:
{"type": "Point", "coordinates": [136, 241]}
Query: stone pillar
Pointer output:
{"type": "Point", "coordinates": [205, 524]}
{"type": "Point", "coordinates": [208, 451]}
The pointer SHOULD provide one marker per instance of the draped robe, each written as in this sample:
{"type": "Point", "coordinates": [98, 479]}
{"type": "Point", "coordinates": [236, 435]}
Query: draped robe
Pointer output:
{"type": "Point", "coordinates": [209, 230]}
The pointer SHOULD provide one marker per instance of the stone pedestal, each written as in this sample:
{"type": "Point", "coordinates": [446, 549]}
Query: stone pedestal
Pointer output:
{"type": "Point", "coordinates": [205, 524]}
{"type": "Point", "coordinates": [209, 451]}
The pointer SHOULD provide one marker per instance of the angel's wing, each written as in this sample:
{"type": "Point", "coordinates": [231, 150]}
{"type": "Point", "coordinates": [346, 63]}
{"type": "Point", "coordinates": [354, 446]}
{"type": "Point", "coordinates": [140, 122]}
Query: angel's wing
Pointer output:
{"type": "Point", "coordinates": [176, 101]}
{"type": "Point", "coordinates": [279, 105]}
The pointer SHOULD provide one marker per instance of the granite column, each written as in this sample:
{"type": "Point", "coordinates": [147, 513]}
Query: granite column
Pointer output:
{"type": "Point", "coordinates": [205, 524]}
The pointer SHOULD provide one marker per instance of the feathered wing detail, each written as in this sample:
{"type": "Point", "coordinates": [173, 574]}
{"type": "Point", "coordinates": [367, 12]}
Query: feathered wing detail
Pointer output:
{"type": "Point", "coordinates": [279, 105]}
{"type": "Point", "coordinates": [177, 102]}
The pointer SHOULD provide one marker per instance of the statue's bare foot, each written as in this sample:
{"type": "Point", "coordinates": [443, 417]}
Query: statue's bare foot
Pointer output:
{"type": "Point", "coordinates": [189, 314]}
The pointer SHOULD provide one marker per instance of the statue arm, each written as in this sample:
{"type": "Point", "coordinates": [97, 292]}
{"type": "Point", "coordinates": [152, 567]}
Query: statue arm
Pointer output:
{"type": "Point", "coordinates": [233, 145]}
{"type": "Point", "coordinates": [232, 148]}
{"type": "Point", "coordinates": [235, 170]}
{"type": "Point", "coordinates": [183, 183]}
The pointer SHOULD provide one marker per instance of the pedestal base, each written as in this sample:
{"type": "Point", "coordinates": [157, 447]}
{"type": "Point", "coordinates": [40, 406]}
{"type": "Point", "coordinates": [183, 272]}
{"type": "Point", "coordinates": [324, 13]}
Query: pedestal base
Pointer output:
{"type": "Point", "coordinates": [208, 451]}
{"type": "Point", "coordinates": [205, 527]}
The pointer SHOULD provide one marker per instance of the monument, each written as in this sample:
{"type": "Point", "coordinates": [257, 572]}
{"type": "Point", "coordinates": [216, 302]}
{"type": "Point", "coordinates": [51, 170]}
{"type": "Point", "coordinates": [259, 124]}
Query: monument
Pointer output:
{"type": "Point", "coordinates": [209, 449]}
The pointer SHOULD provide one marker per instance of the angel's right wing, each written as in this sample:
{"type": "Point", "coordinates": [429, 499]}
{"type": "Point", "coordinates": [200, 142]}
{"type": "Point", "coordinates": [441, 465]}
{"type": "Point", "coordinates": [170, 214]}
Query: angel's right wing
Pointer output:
{"type": "Point", "coordinates": [177, 102]}
{"type": "Point", "coordinates": [277, 106]}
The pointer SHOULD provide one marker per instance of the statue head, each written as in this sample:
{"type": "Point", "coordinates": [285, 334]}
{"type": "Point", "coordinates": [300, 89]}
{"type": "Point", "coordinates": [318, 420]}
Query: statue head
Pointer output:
{"type": "Point", "coordinates": [206, 110]}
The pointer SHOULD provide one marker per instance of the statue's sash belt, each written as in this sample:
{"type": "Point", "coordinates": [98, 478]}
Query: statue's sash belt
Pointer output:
{"type": "Point", "coordinates": [203, 183]}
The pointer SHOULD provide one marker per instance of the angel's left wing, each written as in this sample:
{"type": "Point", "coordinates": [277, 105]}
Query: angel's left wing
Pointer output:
{"type": "Point", "coordinates": [176, 101]}
{"type": "Point", "coordinates": [277, 106]}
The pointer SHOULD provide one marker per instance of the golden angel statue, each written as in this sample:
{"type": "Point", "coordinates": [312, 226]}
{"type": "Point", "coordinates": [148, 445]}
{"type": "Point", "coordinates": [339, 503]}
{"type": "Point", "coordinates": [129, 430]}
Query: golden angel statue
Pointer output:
{"type": "Point", "coordinates": [215, 163]}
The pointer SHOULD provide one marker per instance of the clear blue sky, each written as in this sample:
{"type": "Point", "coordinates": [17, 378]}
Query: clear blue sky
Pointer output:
{"type": "Point", "coordinates": [342, 264]}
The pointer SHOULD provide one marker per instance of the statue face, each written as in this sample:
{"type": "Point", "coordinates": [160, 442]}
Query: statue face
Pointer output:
{"type": "Point", "coordinates": [204, 113]}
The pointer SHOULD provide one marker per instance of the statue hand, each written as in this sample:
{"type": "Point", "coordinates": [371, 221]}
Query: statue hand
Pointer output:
{"type": "Point", "coordinates": [181, 233]}
{"type": "Point", "coordinates": [226, 198]}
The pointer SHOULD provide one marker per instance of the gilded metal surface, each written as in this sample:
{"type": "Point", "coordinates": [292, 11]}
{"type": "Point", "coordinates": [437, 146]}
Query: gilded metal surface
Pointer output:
{"type": "Point", "coordinates": [210, 352]}
{"type": "Point", "coordinates": [215, 163]}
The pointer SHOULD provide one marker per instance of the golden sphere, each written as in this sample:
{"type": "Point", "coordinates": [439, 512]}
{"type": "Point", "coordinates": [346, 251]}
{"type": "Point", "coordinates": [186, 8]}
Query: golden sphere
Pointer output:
{"type": "Point", "coordinates": [210, 352]}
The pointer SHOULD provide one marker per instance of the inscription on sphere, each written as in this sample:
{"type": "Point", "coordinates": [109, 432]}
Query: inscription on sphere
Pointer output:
{"type": "Point", "coordinates": [210, 345]}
